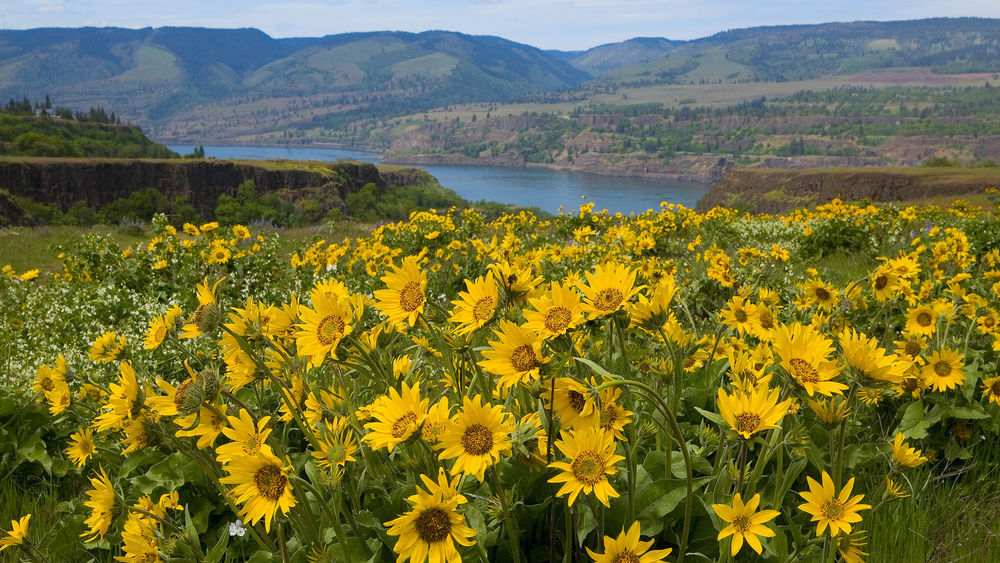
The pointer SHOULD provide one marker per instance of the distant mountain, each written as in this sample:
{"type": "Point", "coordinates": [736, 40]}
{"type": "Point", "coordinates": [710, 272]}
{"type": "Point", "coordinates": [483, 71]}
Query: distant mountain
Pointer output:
{"type": "Point", "coordinates": [150, 75]}
{"type": "Point", "coordinates": [800, 52]}
{"type": "Point", "coordinates": [611, 56]}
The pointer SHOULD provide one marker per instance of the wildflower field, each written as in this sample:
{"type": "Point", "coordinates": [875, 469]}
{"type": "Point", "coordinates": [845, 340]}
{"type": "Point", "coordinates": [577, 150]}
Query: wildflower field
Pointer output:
{"type": "Point", "coordinates": [672, 386]}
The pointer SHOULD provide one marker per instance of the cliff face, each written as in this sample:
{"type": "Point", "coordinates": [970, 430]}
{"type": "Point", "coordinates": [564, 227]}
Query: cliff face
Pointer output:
{"type": "Point", "coordinates": [772, 191]}
{"type": "Point", "coordinates": [63, 182]}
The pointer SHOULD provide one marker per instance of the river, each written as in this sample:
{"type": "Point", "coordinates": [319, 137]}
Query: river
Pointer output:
{"type": "Point", "coordinates": [550, 190]}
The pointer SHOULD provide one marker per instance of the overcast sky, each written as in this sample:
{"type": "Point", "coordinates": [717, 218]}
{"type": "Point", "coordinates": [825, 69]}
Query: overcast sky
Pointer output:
{"type": "Point", "coordinates": [548, 24]}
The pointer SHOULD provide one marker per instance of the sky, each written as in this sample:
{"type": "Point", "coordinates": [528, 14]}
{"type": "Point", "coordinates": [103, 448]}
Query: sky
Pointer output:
{"type": "Point", "coordinates": [547, 24]}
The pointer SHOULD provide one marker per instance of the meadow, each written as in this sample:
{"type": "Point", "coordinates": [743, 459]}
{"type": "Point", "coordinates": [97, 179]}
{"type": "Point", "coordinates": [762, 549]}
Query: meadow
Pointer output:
{"type": "Point", "coordinates": [672, 386]}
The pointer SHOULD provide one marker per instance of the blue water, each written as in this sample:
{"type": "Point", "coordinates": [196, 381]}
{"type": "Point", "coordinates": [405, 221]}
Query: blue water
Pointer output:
{"type": "Point", "coordinates": [550, 190]}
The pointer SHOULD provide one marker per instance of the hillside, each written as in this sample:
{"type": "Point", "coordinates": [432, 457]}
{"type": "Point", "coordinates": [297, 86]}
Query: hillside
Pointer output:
{"type": "Point", "coordinates": [181, 81]}
{"type": "Point", "coordinates": [33, 135]}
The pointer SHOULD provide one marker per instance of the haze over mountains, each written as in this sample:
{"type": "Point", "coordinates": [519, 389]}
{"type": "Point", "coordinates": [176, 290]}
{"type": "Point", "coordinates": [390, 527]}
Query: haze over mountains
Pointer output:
{"type": "Point", "coordinates": [169, 80]}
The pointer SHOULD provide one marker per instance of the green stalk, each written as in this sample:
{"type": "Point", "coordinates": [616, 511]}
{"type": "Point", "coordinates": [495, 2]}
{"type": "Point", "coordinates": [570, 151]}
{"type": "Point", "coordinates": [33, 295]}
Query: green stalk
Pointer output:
{"type": "Point", "coordinates": [334, 518]}
{"type": "Point", "coordinates": [512, 533]}
{"type": "Point", "coordinates": [282, 542]}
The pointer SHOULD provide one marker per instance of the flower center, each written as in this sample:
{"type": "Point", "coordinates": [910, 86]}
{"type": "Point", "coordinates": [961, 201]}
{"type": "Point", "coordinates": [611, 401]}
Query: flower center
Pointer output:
{"type": "Point", "coordinates": [252, 446]}
{"type": "Point", "coordinates": [523, 358]}
{"type": "Point", "coordinates": [924, 318]}
{"type": "Point", "coordinates": [995, 388]}
{"type": "Point", "coordinates": [160, 334]}
{"type": "Point", "coordinates": [410, 298]}
{"type": "Point", "coordinates": [910, 384]}
{"type": "Point", "coordinates": [747, 421]}
{"type": "Point", "coordinates": [330, 330]}
{"type": "Point", "coordinates": [942, 368]}
{"type": "Point", "coordinates": [742, 522]}
{"type": "Point", "coordinates": [588, 467]}
{"type": "Point", "coordinates": [608, 299]}
{"type": "Point", "coordinates": [626, 557]}
{"type": "Point", "coordinates": [832, 510]}
{"type": "Point", "coordinates": [741, 315]}
{"type": "Point", "coordinates": [766, 319]}
{"type": "Point", "coordinates": [402, 425]}
{"type": "Point", "coordinates": [608, 417]}
{"type": "Point", "coordinates": [48, 384]}
{"type": "Point", "coordinates": [912, 348]}
{"type": "Point", "coordinates": [822, 294]}
{"type": "Point", "coordinates": [577, 401]}
{"type": "Point", "coordinates": [557, 319]}
{"type": "Point", "coordinates": [270, 481]}
{"type": "Point", "coordinates": [181, 394]}
{"type": "Point", "coordinates": [483, 309]}
{"type": "Point", "coordinates": [433, 525]}
{"type": "Point", "coordinates": [477, 439]}
{"type": "Point", "coordinates": [988, 322]}
{"type": "Point", "coordinates": [803, 371]}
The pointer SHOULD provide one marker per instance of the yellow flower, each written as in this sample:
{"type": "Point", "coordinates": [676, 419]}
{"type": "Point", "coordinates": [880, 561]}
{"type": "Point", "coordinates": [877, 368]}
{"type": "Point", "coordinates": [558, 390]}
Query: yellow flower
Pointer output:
{"type": "Point", "coordinates": [107, 348]}
{"type": "Point", "coordinates": [436, 422]}
{"type": "Point", "coordinates": [739, 314]}
{"type": "Point", "coordinates": [904, 454]}
{"type": "Point", "coordinates": [828, 508]}
{"type": "Point", "coordinates": [944, 369]}
{"type": "Point", "coordinates": [18, 531]}
{"type": "Point", "coordinates": [864, 354]}
{"type": "Point", "coordinates": [323, 327]}
{"type": "Point", "coordinates": [430, 530]}
{"type": "Point", "coordinates": [627, 548]}
{"type": "Point", "coordinates": [207, 315]}
{"type": "Point", "coordinates": [991, 389]}
{"type": "Point", "coordinates": [475, 307]}
{"type": "Point", "coordinates": [404, 298]}
{"type": "Point", "coordinates": [849, 547]}
{"type": "Point", "coordinates": [476, 437]}
{"type": "Point", "coordinates": [516, 358]}
{"type": "Point", "coordinates": [241, 232]}
{"type": "Point", "coordinates": [745, 523]}
{"type": "Point", "coordinates": [816, 292]}
{"type": "Point", "coordinates": [396, 417]}
{"type": "Point", "coordinates": [592, 458]}
{"type": "Point", "coordinates": [557, 311]}
{"type": "Point", "coordinates": [608, 289]}
{"type": "Point", "coordinates": [804, 353]}
{"type": "Point", "coordinates": [921, 321]}
{"type": "Point", "coordinates": [262, 487]}
{"type": "Point", "coordinates": [612, 417]}
{"type": "Point", "coordinates": [248, 439]}
{"type": "Point", "coordinates": [159, 327]}
{"type": "Point", "coordinates": [124, 401]}
{"type": "Point", "coordinates": [831, 411]}
{"type": "Point", "coordinates": [101, 503]}
{"type": "Point", "coordinates": [81, 446]}
{"type": "Point", "coordinates": [337, 448]}
{"type": "Point", "coordinates": [208, 429]}
{"type": "Point", "coordinates": [572, 402]}
{"type": "Point", "coordinates": [756, 411]}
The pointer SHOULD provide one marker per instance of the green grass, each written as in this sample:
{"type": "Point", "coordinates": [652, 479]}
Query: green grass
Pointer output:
{"type": "Point", "coordinates": [26, 248]}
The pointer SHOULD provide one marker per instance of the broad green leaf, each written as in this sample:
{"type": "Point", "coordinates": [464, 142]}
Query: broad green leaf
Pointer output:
{"type": "Point", "coordinates": [597, 369]}
{"type": "Point", "coordinates": [716, 418]}
{"type": "Point", "coordinates": [33, 450]}
{"type": "Point", "coordinates": [914, 423]}
{"type": "Point", "coordinates": [217, 552]}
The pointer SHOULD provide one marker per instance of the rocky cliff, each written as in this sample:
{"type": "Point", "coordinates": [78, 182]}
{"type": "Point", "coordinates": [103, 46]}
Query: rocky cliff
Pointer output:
{"type": "Point", "coordinates": [771, 190]}
{"type": "Point", "coordinates": [97, 182]}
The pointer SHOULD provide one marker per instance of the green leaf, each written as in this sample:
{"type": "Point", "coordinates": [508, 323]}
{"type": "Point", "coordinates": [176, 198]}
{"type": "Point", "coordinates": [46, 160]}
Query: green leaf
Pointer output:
{"type": "Point", "coordinates": [170, 474]}
{"type": "Point", "coordinates": [914, 423]}
{"type": "Point", "coordinates": [597, 369]}
{"type": "Point", "coordinates": [215, 554]}
{"type": "Point", "coordinates": [33, 450]}
{"type": "Point", "coordinates": [657, 499]}
{"type": "Point", "coordinates": [716, 418]}
{"type": "Point", "coordinates": [975, 412]}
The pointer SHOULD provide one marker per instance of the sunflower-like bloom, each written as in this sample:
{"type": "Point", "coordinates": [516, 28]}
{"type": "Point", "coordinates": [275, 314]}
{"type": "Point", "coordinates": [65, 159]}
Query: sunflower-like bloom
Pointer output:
{"type": "Point", "coordinates": [337, 447]}
{"type": "Point", "coordinates": [921, 320]}
{"type": "Point", "coordinates": [653, 306]}
{"type": "Point", "coordinates": [612, 417]}
{"type": "Point", "coordinates": [592, 458]}
{"type": "Point", "coordinates": [884, 283]}
{"type": "Point", "coordinates": [828, 508]}
{"type": "Point", "coordinates": [944, 370]}
{"type": "Point", "coordinates": [101, 502]}
{"type": "Point", "coordinates": [477, 436]}
{"type": "Point", "coordinates": [739, 315]}
{"type": "Point", "coordinates": [47, 378]}
{"type": "Point", "coordinates": [323, 327]}
{"type": "Point", "coordinates": [160, 326]}
{"type": "Point", "coordinates": [476, 306]}
{"type": "Point", "coordinates": [184, 399]}
{"type": "Point", "coordinates": [627, 547]}
{"type": "Point", "coordinates": [849, 546]}
{"type": "Point", "coordinates": [516, 357]}
{"type": "Point", "coordinates": [831, 411]}
{"type": "Point", "coordinates": [81, 446]}
{"type": "Point", "coordinates": [430, 530]}
{"type": "Point", "coordinates": [18, 531]}
{"type": "Point", "coordinates": [745, 523]}
{"type": "Point", "coordinates": [557, 311]}
{"type": "Point", "coordinates": [571, 401]}
{"type": "Point", "coordinates": [864, 354]}
{"type": "Point", "coordinates": [124, 402]}
{"type": "Point", "coordinates": [206, 316]}
{"type": "Point", "coordinates": [904, 454]}
{"type": "Point", "coordinates": [261, 486]}
{"type": "Point", "coordinates": [248, 439]}
{"type": "Point", "coordinates": [608, 289]}
{"type": "Point", "coordinates": [804, 353]}
{"type": "Point", "coordinates": [396, 417]}
{"type": "Point", "coordinates": [518, 280]}
{"type": "Point", "coordinates": [991, 389]}
{"type": "Point", "coordinates": [209, 425]}
{"type": "Point", "coordinates": [107, 348]}
{"type": "Point", "coordinates": [403, 299]}
{"type": "Point", "coordinates": [755, 411]}
{"type": "Point", "coordinates": [817, 292]}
